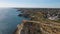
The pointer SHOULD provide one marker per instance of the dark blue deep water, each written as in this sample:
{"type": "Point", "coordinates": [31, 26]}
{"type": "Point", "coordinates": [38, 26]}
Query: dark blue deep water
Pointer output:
{"type": "Point", "coordinates": [8, 20]}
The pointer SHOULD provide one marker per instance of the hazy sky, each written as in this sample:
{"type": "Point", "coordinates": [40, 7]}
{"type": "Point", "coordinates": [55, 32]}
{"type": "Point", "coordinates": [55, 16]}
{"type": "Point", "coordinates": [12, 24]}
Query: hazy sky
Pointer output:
{"type": "Point", "coordinates": [30, 3]}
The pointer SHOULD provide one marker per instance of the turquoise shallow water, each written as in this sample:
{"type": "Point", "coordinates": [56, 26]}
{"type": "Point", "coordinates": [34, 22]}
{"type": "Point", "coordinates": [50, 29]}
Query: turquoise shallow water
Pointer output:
{"type": "Point", "coordinates": [9, 20]}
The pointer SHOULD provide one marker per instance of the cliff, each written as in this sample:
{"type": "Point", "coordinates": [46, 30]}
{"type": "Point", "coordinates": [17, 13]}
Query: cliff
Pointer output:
{"type": "Point", "coordinates": [38, 25]}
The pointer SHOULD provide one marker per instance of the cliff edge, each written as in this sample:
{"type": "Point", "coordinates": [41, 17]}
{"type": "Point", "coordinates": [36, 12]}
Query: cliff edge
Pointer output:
{"type": "Point", "coordinates": [38, 24]}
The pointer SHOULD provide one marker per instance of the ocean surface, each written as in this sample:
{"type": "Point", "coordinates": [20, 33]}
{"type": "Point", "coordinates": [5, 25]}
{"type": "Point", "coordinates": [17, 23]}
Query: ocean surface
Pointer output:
{"type": "Point", "coordinates": [9, 20]}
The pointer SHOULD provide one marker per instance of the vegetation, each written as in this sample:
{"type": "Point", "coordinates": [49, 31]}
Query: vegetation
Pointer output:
{"type": "Point", "coordinates": [46, 25]}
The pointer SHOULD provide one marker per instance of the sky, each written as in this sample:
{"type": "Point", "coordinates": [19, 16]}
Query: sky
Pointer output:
{"type": "Point", "coordinates": [30, 3]}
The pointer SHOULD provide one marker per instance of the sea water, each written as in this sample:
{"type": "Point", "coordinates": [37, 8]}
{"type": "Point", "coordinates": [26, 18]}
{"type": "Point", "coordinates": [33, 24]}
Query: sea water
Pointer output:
{"type": "Point", "coordinates": [9, 20]}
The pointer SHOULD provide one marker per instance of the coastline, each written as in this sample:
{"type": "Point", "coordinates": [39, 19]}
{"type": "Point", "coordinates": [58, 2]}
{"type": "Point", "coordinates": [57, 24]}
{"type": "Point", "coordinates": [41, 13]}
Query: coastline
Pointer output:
{"type": "Point", "coordinates": [45, 24]}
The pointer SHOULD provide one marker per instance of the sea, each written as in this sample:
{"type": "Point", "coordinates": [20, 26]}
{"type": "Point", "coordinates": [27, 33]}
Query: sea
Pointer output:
{"type": "Point", "coordinates": [9, 20]}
